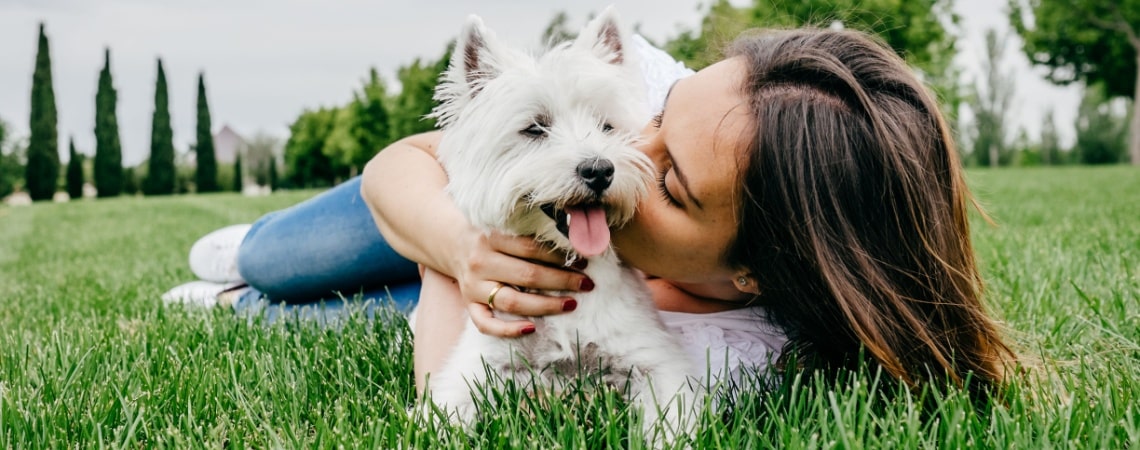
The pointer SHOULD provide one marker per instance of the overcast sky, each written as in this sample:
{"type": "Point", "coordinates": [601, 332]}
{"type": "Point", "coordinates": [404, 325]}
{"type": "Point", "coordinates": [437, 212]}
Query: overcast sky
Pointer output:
{"type": "Point", "coordinates": [267, 60]}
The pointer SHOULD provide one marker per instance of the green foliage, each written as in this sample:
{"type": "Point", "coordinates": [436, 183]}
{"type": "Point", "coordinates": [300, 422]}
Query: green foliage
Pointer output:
{"type": "Point", "coordinates": [414, 102]}
{"type": "Point", "coordinates": [130, 181]}
{"type": "Point", "coordinates": [185, 173]}
{"type": "Point", "coordinates": [371, 121]}
{"type": "Point", "coordinates": [239, 175]}
{"type": "Point", "coordinates": [341, 146]}
{"type": "Point", "coordinates": [558, 30]}
{"type": "Point", "coordinates": [42, 170]}
{"type": "Point", "coordinates": [916, 29]}
{"type": "Point", "coordinates": [1101, 131]}
{"type": "Point", "coordinates": [1023, 151]}
{"type": "Point", "coordinates": [74, 172]}
{"type": "Point", "coordinates": [160, 171]}
{"type": "Point", "coordinates": [273, 174]}
{"type": "Point", "coordinates": [361, 128]}
{"type": "Point", "coordinates": [206, 175]}
{"type": "Point", "coordinates": [373, 124]}
{"type": "Point", "coordinates": [1095, 41]}
{"type": "Point", "coordinates": [260, 152]}
{"type": "Point", "coordinates": [108, 172]}
{"type": "Point", "coordinates": [720, 26]}
{"type": "Point", "coordinates": [1090, 40]}
{"type": "Point", "coordinates": [306, 163]}
{"type": "Point", "coordinates": [327, 145]}
{"type": "Point", "coordinates": [1051, 151]}
{"type": "Point", "coordinates": [12, 157]}
{"type": "Point", "coordinates": [922, 31]}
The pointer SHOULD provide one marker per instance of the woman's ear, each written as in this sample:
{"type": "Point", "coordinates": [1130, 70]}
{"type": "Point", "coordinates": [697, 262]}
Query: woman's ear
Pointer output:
{"type": "Point", "coordinates": [746, 283]}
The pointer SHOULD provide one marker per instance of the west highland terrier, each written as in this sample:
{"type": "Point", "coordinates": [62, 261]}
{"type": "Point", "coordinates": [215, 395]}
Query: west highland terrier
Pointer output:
{"type": "Point", "coordinates": [544, 147]}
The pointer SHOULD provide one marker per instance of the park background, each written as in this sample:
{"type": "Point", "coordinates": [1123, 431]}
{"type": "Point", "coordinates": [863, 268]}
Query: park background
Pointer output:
{"type": "Point", "coordinates": [310, 92]}
{"type": "Point", "coordinates": [305, 92]}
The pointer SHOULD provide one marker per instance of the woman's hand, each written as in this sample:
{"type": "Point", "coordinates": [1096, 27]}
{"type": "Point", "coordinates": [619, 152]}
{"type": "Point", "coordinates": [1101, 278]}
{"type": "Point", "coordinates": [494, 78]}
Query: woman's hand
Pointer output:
{"type": "Point", "coordinates": [404, 187]}
{"type": "Point", "coordinates": [488, 261]}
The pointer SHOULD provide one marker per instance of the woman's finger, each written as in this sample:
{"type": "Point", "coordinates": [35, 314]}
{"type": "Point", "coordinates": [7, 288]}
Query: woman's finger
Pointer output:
{"type": "Point", "coordinates": [527, 274]}
{"type": "Point", "coordinates": [486, 322]}
{"type": "Point", "coordinates": [509, 300]}
{"type": "Point", "coordinates": [525, 247]}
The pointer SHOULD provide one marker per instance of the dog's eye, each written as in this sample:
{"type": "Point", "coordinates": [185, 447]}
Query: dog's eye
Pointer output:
{"type": "Point", "coordinates": [606, 127]}
{"type": "Point", "coordinates": [534, 131]}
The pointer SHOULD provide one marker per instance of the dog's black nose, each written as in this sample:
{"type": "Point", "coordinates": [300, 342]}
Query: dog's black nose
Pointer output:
{"type": "Point", "coordinates": [598, 173]}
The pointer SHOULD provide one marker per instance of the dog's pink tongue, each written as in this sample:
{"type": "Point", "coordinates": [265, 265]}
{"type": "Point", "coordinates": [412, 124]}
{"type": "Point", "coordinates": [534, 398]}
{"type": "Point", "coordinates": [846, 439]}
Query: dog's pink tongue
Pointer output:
{"type": "Point", "coordinates": [589, 233]}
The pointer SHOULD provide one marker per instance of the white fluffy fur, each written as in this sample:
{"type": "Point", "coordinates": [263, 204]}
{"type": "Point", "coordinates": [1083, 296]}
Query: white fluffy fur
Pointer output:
{"type": "Point", "coordinates": [499, 177]}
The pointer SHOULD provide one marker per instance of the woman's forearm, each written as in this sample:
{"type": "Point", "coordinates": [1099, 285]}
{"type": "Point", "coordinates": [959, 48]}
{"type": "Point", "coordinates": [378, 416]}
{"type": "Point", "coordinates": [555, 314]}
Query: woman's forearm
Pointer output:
{"type": "Point", "coordinates": [404, 189]}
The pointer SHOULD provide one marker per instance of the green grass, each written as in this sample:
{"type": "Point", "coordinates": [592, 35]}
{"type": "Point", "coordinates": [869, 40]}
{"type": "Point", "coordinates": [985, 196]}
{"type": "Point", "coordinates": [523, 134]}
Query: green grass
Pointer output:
{"type": "Point", "coordinates": [89, 358]}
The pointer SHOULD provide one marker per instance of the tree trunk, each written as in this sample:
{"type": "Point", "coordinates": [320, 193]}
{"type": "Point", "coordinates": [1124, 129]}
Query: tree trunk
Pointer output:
{"type": "Point", "coordinates": [993, 155]}
{"type": "Point", "coordinates": [1134, 128]}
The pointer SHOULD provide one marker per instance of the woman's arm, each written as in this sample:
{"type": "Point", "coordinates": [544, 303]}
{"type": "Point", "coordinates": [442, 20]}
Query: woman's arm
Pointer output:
{"type": "Point", "coordinates": [404, 188]}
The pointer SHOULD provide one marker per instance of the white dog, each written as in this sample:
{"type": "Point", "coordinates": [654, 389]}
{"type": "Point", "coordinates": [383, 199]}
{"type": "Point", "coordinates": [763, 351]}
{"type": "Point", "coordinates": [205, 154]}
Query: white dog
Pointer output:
{"type": "Point", "coordinates": [543, 147]}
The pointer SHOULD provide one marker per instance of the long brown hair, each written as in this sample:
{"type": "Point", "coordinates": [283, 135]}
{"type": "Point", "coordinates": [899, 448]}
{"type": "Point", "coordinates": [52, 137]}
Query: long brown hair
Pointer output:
{"type": "Point", "coordinates": [853, 213]}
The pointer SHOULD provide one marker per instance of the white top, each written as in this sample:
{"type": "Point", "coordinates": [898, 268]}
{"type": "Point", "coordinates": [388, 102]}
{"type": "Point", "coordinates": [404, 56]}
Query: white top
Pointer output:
{"type": "Point", "coordinates": [660, 71]}
{"type": "Point", "coordinates": [733, 342]}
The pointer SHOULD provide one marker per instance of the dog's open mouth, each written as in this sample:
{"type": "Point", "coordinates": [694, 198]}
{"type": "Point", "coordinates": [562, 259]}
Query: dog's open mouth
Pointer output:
{"type": "Point", "coordinates": [585, 225]}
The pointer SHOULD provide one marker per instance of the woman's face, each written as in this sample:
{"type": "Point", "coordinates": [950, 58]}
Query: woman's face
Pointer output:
{"type": "Point", "coordinates": [682, 230]}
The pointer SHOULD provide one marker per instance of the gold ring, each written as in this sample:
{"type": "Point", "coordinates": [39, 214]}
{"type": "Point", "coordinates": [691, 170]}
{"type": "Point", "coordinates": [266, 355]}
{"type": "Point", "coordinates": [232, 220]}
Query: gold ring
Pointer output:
{"type": "Point", "coordinates": [491, 298]}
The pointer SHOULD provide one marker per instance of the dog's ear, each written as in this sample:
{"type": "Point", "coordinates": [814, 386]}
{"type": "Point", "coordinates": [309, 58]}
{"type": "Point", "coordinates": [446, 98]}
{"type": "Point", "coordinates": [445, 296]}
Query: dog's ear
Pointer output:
{"type": "Point", "coordinates": [605, 37]}
{"type": "Point", "coordinates": [474, 60]}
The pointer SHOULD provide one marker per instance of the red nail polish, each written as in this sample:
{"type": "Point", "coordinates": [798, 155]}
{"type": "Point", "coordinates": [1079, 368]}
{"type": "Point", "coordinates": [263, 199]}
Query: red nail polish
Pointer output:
{"type": "Point", "coordinates": [528, 330]}
{"type": "Point", "coordinates": [587, 285]}
{"type": "Point", "coordinates": [569, 305]}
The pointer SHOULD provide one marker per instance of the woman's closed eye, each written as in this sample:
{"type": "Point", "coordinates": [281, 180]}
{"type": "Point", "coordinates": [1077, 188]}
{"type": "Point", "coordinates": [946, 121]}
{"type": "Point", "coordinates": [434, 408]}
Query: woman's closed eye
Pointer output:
{"type": "Point", "coordinates": [664, 190]}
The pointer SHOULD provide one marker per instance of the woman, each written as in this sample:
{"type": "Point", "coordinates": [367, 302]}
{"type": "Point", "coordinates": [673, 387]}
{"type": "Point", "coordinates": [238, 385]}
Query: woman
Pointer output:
{"type": "Point", "coordinates": [809, 173]}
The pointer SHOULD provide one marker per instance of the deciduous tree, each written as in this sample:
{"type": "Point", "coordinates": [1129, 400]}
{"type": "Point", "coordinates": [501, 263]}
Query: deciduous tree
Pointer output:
{"type": "Point", "coordinates": [1050, 141]}
{"type": "Point", "coordinates": [991, 102]}
{"type": "Point", "coordinates": [1094, 41]}
{"type": "Point", "coordinates": [305, 162]}
{"type": "Point", "coordinates": [922, 31]}
{"type": "Point", "coordinates": [11, 161]}
{"type": "Point", "coordinates": [1101, 129]}
{"type": "Point", "coordinates": [260, 151]}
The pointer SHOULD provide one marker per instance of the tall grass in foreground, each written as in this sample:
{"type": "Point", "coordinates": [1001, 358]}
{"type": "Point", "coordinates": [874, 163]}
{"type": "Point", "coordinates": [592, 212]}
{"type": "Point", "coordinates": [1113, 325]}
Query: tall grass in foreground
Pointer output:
{"type": "Point", "coordinates": [89, 358]}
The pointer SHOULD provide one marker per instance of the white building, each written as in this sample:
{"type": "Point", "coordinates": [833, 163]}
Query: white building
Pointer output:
{"type": "Point", "coordinates": [227, 143]}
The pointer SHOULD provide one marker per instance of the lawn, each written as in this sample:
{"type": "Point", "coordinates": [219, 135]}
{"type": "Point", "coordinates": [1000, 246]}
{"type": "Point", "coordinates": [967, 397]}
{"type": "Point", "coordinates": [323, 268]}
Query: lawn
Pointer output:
{"type": "Point", "coordinates": [89, 357]}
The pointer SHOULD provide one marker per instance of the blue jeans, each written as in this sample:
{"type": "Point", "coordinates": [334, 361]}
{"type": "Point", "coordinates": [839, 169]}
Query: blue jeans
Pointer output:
{"type": "Point", "coordinates": [324, 251]}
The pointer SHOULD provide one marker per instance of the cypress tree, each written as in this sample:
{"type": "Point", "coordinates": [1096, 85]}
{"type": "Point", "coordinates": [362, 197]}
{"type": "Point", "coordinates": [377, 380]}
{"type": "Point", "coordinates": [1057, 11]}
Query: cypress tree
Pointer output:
{"type": "Point", "coordinates": [74, 173]}
{"type": "Point", "coordinates": [160, 173]}
{"type": "Point", "coordinates": [109, 176]}
{"type": "Point", "coordinates": [207, 172]}
{"type": "Point", "coordinates": [42, 172]}
{"type": "Point", "coordinates": [237, 172]}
